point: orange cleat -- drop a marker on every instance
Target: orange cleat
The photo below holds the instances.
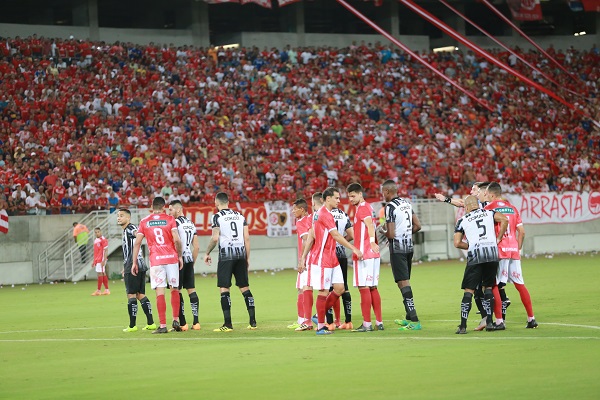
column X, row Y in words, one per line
column 347, row 326
column 196, row 327
column 96, row 293
column 106, row 292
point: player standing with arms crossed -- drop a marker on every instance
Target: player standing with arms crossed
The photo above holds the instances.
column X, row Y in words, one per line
column 160, row 231
column 135, row 286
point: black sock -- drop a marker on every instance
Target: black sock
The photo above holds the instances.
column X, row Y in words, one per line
column 329, row 316
column 147, row 307
column 478, row 297
column 250, row 306
column 347, row 301
column 194, row 303
column 409, row 303
column 465, row 308
column 181, row 310
column 503, row 298
column 226, row 306
column 488, row 302
column 132, row 310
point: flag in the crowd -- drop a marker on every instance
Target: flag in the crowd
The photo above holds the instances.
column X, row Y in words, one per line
column 262, row 3
column 279, row 219
column 286, row 2
column 591, row 5
column 525, row 10
column 3, row 221
column 221, row 1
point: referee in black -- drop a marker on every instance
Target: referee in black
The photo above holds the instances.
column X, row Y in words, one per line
column 135, row 285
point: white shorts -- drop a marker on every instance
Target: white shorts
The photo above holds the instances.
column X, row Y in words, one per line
column 163, row 274
column 99, row 268
column 366, row 272
column 323, row 278
column 302, row 279
column 509, row 270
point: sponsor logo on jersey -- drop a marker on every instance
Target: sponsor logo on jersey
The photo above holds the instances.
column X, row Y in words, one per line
column 161, row 222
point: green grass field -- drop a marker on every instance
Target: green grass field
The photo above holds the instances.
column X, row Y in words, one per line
column 57, row 341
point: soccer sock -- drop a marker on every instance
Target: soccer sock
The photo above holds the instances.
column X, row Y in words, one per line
column 100, row 280
column 147, row 307
column 497, row 304
column 504, row 300
column 478, row 297
column 409, row 303
column 321, row 309
column 329, row 316
column 365, row 303
column 525, row 298
column 488, row 298
column 226, row 307
column 331, row 299
column 175, row 303
column 376, row 300
column 181, row 309
column 336, row 309
column 347, row 300
column 308, row 305
column 300, row 307
column 250, row 305
column 132, row 309
column 161, row 306
column 105, row 280
column 465, row 308
column 195, row 304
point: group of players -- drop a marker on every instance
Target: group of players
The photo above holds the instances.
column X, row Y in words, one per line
column 491, row 226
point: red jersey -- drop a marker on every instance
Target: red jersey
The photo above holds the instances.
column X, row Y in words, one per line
column 508, row 248
column 158, row 230
column 100, row 244
column 323, row 250
column 361, row 233
column 303, row 225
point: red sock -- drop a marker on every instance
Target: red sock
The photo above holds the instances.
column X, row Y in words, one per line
column 497, row 302
column 336, row 309
column 321, row 309
column 100, row 279
column 365, row 303
column 300, row 305
column 105, row 280
column 525, row 299
column 332, row 298
column 175, row 303
column 376, row 300
column 161, row 306
column 308, row 305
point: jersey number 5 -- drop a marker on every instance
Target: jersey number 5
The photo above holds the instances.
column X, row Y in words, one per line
column 482, row 227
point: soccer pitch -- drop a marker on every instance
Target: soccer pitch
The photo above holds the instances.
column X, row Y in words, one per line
column 57, row 341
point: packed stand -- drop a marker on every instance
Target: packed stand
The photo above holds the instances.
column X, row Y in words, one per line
column 89, row 125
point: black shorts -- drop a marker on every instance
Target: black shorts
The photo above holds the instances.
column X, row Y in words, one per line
column 229, row 268
column 186, row 276
column 401, row 265
column 483, row 274
column 135, row 284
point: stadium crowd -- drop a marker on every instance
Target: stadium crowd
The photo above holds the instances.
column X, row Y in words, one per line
column 89, row 125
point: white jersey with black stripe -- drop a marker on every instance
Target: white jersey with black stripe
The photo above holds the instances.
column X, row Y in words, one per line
column 128, row 240
column 478, row 227
column 187, row 231
column 231, row 234
column 342, row 222
column 399, row 212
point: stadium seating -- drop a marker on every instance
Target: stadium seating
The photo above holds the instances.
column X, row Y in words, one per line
column 83, row 119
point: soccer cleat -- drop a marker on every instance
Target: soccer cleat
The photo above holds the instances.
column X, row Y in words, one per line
column 176, row 326
column 106, row 292
column 150, row 327
column 490, row 327
column 337, row 323
column 500, row 327
column 347, row 326
column 314, row 319
column 363, row 328
column 128, row 329
column 379, row 327
column 481, row 325
column 462, row 330
column 252, row 327
column 185, row 327
column 412, row 326
column 161, row 330
column 96, row 293
column 401, row 322
column 293, row 326
column 331, row 327
column 224, row 328
column 196, row 326
column 304, row 327
column 324, row 331
column 532, row 324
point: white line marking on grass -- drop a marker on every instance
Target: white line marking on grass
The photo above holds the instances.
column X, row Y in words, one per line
column 91, row 328
column 267, row 338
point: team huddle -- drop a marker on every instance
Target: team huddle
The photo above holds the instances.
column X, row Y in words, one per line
column 491, row 226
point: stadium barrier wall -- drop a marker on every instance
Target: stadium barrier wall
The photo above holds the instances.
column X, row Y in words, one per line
column 30, row 235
